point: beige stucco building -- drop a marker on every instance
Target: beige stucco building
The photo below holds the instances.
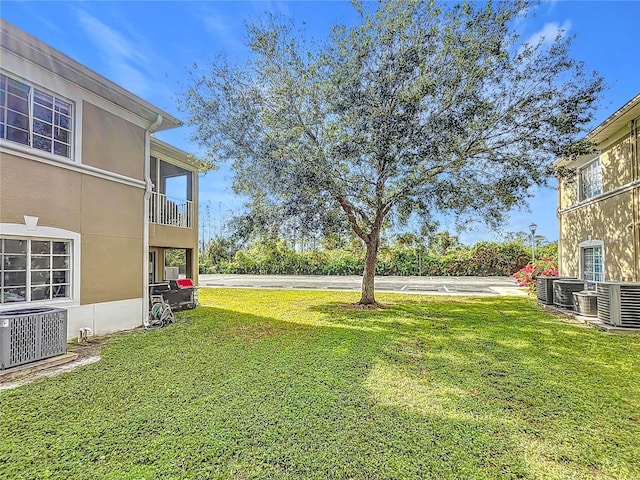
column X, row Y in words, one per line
column 599, row 205
column 90, row 201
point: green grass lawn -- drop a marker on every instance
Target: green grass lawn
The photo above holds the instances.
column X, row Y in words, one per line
column 290, row 384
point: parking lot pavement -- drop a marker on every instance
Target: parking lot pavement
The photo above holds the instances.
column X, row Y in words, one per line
column 413, row 285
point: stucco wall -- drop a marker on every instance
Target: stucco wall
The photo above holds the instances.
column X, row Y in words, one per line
column 111, row 268
column 616, row 163
column 112, row 230
column 568, row 192
column 172, row 237
column 111, row 209
column 32, row 188
column 112, row 213
column 107, row 214
column 610, row 220
column 111, row 143
column 616, row 167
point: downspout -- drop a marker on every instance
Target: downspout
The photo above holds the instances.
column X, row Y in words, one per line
column 559, row 217
column 560, row 243
column 635, row 197
column 145, row 232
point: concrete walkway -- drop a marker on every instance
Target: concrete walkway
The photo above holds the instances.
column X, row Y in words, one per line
column 38, row 370
column 415, row 285
column 77, row 356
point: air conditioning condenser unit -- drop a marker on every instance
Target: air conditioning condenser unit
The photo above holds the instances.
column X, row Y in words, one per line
column 544, row 288
column 563, row 290
column 619, row 304
column 31, row 334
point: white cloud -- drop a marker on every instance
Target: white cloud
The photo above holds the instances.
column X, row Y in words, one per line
column 124, row 57
column 261, row 6
column 549, row 33
column 218, row 25
column 223, row 28
column 227, row 26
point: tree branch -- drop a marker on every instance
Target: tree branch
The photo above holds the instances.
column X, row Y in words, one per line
column 350, row 210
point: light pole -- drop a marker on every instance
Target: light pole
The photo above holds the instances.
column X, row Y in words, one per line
column 532, row 227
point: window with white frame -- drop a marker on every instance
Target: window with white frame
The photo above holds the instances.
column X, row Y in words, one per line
column 35, row 118
column 592, row 264
column 591, row 180
column 34, row 270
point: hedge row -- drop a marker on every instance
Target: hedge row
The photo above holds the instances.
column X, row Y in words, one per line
column 483, row 259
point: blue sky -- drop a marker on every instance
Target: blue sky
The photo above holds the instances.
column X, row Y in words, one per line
column 148, row 47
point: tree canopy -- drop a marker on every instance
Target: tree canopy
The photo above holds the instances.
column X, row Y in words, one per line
column 420, row 108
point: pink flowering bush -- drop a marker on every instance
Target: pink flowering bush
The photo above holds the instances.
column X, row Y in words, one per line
column 526, row 277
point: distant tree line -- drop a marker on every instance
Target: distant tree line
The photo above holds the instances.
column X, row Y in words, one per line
column 406, row 254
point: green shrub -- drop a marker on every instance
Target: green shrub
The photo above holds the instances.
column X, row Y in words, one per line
column 483, row 259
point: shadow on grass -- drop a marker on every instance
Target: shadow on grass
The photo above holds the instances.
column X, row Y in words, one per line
column 499, row 364
column 518, row 325
column 429, row 388
column 347, row 396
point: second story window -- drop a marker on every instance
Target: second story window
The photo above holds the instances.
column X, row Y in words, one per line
column 35, row 118
column 590, row 180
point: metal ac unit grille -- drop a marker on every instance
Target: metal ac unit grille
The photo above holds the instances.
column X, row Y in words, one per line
column 544, row 288
column 585, row 303
column 620, row 304
column 22, row 345
column 604, row 302
column 563, row 291
column 630, row 305
column 545, row 294
column 54, row 334
column 31, row 334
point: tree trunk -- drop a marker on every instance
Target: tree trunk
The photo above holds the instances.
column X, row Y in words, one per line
column 368, row 277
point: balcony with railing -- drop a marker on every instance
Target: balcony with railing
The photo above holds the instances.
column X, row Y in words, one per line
column 175, row 212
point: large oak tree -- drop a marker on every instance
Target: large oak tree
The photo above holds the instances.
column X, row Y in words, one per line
column 419, row 108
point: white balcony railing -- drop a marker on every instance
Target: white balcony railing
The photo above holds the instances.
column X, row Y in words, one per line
column 170, row 211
